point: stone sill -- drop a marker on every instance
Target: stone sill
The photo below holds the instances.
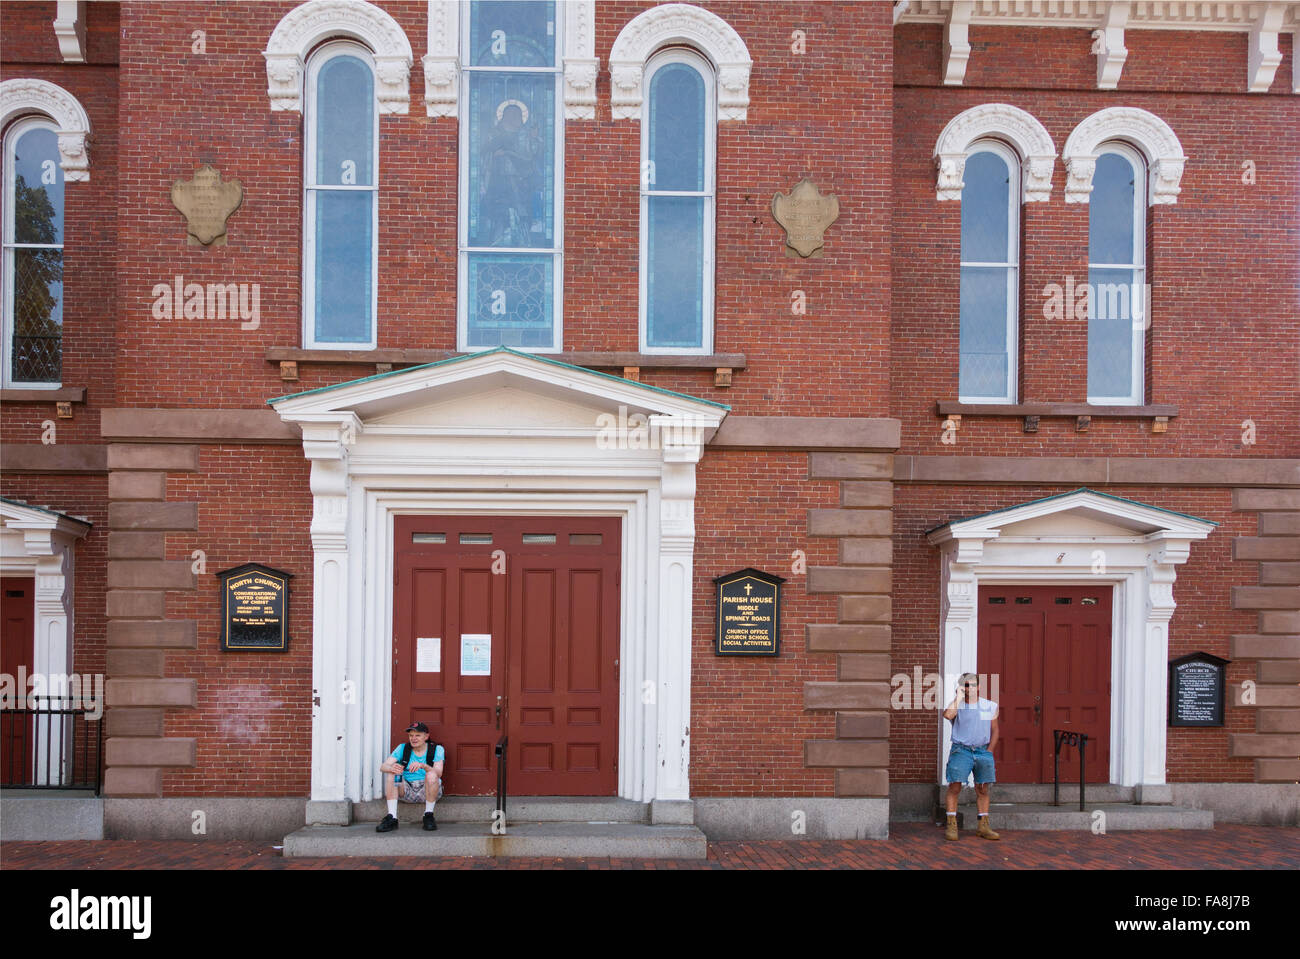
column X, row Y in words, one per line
column 631, row 362
column 952, row 407
column 69, row 394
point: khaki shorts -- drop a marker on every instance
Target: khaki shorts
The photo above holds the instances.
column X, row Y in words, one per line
column 414, row 792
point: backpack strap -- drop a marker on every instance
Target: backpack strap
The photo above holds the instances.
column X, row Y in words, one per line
column 406, row 757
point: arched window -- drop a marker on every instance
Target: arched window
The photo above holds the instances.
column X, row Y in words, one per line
column 33, row 255
column 1117, row 304
column 677, row 202
column 990, row 284
column 340, row 255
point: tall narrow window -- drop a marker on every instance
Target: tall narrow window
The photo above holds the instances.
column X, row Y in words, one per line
column 677, row 198
column 990, row 233
column 511, row 177
column 1117, row 277
column 340, row 256
column 33, row 256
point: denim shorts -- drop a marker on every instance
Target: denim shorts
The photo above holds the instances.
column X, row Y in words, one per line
column 962, row 759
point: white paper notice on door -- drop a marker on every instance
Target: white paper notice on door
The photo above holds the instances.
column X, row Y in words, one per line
column 476, row 654
column 428, row 654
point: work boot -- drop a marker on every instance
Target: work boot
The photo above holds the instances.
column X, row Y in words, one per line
column 985, row 831
column 951, row 831
column 387, row 824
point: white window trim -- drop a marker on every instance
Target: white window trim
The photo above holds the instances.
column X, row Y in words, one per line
column 1138, row 268
column 1150, row 134
column 10, row 202
column 24, row 95
column 1013, row 277
column 463, row 250
column 701, row 64
column 1005, row 122
column 310, row 121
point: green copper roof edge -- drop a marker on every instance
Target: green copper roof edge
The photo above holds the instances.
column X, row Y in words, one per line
column 499, row 349
column 1081, row 489
column 42, row 509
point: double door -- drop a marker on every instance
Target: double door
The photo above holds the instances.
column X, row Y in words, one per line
column 509, row 626
column 1049, row 648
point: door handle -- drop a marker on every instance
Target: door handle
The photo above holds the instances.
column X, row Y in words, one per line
column 500, row 703
column 1038, row 710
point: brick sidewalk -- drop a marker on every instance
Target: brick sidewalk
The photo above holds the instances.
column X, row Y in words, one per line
column 910, row 846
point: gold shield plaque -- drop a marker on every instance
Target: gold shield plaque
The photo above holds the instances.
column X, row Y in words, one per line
column 207, row 203
column 805, row 214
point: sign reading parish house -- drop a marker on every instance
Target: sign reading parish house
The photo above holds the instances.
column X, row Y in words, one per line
column 749, row 614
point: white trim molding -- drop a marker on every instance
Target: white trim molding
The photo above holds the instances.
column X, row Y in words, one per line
column 1146, row 131
column 1003, row 121
column 1264, row 55
column 1108, row 44
column 41, row 543
column 308, row 24
column 678, row 23
column 70, row 29
column 956, row 42
column 442, row 62
column 1087, row 538
column 580, row 63
column 22, row 96
column 492, row 433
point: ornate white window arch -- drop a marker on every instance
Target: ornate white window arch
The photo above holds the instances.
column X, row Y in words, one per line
column 23, row 96
column 1144, row 130
column 442, row 62
column 678, row 23
column 998, row 121
column 308, row 24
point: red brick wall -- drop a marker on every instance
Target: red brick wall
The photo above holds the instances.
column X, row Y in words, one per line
column 253, row 708
column 1204, row 620
column 748, row 724
column 1222, row 260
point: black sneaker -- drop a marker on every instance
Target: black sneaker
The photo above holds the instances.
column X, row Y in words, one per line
column 387, row 824
column 430, row 824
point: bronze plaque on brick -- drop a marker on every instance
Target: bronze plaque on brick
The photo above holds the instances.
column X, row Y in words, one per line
column 749, row 614
column 1196, row 686
column 254, row 608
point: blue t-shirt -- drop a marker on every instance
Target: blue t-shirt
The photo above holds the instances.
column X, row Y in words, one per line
column 974, row 723
column 417, row 775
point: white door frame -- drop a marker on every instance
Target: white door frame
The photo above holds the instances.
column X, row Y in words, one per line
column 1109, row 540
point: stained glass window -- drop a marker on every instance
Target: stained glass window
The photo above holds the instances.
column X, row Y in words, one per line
column 511, row 184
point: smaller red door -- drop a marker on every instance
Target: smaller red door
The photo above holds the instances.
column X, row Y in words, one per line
column 17, row 637
column 1048, row 649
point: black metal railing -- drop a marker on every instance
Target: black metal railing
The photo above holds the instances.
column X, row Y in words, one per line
column 51, row 745
column 501, row 754
column 1066, row 737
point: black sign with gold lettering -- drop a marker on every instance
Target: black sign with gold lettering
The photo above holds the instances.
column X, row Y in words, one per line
column 749, row 614
column 254, row 608
column 1196, row 690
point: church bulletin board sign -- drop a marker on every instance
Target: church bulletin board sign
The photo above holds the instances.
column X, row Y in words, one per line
column 1196, row 688
column 749, row 614
column 254, row 608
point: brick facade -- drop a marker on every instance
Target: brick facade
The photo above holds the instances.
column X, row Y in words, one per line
column 858, row 111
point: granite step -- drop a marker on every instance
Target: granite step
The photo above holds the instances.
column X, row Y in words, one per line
column 1118, row 816
column 479, row 809
column 544, row 839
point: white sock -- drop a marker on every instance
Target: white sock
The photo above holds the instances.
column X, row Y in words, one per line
column 392, row 808
column 428, row 806
column 952, row 815
column 983, row 814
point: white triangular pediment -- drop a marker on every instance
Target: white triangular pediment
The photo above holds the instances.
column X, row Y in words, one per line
column 1078, row 515
column 498, row 390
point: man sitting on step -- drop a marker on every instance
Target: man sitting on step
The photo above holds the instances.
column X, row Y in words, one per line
column 411, row 774
column 974, row 734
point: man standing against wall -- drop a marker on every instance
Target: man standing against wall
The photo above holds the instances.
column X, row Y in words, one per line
column 974, row 734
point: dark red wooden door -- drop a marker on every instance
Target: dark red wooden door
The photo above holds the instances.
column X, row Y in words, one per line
column 1050, row 649
column 17, row 639
column 546, row 592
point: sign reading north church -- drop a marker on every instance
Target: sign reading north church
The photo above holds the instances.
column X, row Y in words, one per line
column 749, row 614
column 1196, row 690
column 254, row 608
